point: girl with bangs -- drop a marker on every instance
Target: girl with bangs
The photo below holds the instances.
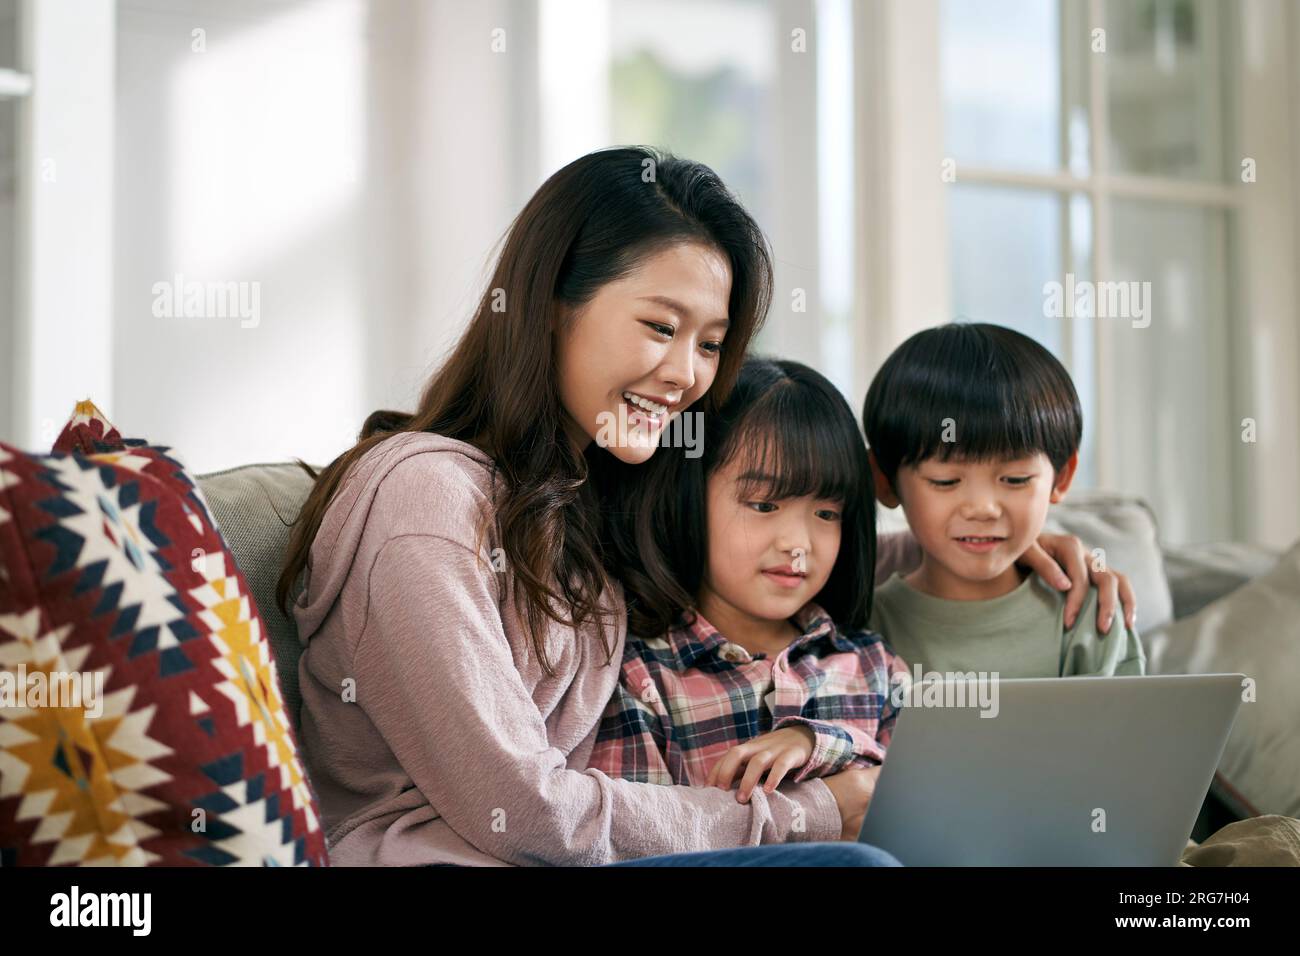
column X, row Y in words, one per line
column 754, row 659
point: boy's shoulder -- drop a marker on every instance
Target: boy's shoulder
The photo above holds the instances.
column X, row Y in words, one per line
column 1055, row 599
column 1087, row 616
column 890, row 604
column 888, row 592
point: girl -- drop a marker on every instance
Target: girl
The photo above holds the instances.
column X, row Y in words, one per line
column 461, row 625
column 753, row 564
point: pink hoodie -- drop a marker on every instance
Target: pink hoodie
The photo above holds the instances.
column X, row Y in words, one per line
column 431, row 732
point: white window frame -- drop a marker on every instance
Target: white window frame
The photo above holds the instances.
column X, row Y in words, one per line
column 903, row 232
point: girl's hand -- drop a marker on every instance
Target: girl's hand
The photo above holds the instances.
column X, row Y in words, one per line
column 1076, row 560
column 777, row 753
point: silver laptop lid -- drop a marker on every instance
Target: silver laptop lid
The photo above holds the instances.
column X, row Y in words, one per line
column 1073, row 771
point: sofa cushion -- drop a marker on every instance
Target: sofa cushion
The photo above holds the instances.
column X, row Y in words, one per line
column 253, row 506
column 114, row 579
column 1205, row 572
column 1255, row 630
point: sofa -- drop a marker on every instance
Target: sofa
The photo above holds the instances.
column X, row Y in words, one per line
column 255, row 504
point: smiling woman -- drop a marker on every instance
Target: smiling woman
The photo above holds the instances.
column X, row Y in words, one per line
column 462, row 629
column 601, row 235
column 645, row 347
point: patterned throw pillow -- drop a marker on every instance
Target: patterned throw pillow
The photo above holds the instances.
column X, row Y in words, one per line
column 141, row 720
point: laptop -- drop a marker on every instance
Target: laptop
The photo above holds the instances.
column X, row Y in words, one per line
column 1065, row 771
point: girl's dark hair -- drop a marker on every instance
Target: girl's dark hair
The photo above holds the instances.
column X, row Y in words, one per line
column 1005, row 395
column 789, row 423
column 590, row 223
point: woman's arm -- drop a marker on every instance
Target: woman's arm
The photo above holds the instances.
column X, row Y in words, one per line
column 436, row 675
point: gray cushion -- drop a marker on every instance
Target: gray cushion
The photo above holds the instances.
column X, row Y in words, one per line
column 253, row 506
column 1201, row 573
column 1255, row 630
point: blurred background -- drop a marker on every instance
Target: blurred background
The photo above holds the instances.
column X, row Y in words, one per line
column 348, row 167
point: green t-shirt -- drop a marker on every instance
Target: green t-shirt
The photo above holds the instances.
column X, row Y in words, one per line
column 1020, row 634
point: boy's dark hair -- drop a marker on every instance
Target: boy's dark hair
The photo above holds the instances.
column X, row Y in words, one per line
column 790, row 423
column 1005, row 394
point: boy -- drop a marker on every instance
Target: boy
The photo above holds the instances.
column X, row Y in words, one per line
column 975, row 429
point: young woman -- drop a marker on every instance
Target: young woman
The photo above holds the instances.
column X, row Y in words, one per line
column 462, row 632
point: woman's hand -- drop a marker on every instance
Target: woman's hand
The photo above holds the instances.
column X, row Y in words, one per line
column 1052, row 552
column 852, row 790
column 777, row 753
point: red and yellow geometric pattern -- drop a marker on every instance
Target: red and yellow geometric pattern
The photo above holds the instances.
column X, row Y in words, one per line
column 114, row 577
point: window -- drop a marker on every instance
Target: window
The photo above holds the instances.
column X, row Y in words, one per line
column 761, row 91
column 1090, row 150
column 700, row 92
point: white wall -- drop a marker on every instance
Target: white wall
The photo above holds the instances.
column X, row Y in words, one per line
column 354, row 159
column 8, row 214
column 61, row 292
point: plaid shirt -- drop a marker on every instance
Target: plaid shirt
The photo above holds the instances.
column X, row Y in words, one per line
column 685, row 699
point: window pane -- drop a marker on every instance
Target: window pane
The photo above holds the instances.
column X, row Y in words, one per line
column 1005, row 243
column 701, row 92
column 1169, row 379
column 1002, row 82
column 1164, row 78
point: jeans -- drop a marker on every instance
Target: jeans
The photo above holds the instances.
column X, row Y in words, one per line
column 776, row 854
column 771, row 854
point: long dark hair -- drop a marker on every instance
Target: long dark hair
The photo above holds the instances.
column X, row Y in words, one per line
column 590, row 223
column 790, row 423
